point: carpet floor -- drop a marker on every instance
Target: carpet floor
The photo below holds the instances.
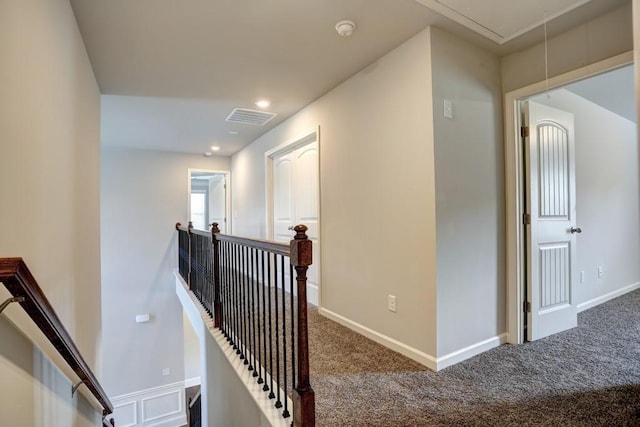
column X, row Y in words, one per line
column 587, row 376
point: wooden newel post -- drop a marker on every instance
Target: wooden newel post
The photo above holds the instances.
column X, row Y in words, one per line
column 304, row 398
column 190, row 231
column 217, row 305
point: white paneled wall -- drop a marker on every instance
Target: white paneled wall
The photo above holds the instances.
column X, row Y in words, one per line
column 159, row 407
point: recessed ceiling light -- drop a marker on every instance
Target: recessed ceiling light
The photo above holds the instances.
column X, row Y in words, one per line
column 233, row 132
column 263, row 103
column 207, row 154
column 215, row 148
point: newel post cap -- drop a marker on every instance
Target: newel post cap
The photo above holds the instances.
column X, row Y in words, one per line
column 301, row 246
column 301, row 232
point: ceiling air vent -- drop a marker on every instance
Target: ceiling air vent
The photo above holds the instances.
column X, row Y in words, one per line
column 250, row 117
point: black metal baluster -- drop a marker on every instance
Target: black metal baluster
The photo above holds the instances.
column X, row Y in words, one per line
column 275, row 295
column 243, row 323
column 207, row 249
column 263, row 328
column 293, row 328
column 285, row 413
column 193, row 267
column 236, row 332
column 225, row 287
column 251, row 319
column 240, row 304
column 230, row 317
column 245, row 295
column 256, row 282
column 269, row 287
column 198, row 270
column 212, row 274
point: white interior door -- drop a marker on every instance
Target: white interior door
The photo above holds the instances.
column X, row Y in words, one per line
column 551, row 232
column 218, row 202
column 283, row 210
column 295, row 201
column 306, row 197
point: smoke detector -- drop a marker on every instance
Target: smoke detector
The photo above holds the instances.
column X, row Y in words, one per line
column 345, row 27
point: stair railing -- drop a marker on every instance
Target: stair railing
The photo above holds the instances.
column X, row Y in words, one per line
column 19, row 281
column 256, row 293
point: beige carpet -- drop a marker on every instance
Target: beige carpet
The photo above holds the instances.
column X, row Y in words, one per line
column 589, row 376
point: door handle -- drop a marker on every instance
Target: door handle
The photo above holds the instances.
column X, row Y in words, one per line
column 574, row 230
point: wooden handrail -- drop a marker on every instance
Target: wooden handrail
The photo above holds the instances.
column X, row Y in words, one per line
column 265, row 245
column 19, row 281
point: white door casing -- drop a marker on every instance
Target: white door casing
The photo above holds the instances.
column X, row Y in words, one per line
column 551, row 233
column 514, row 184
column 218, row 195
column 293, row 192
column 218, row 201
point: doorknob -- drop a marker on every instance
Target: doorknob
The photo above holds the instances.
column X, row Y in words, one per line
column 575, row 230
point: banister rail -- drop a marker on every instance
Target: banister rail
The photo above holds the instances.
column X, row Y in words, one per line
column 19, row 281
column 256, row 293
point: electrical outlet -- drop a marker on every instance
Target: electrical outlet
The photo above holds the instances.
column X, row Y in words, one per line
column 166, row 372
column 391, row 303
column 600, row 272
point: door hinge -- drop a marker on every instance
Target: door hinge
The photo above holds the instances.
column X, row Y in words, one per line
column 526, row 219
column 524, row 131
column 526, row 306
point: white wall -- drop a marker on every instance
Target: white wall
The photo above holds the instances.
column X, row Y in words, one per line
column 144, row 193
column 191, row 352
column 636, row 51
column 49, row 182
column 607, row 195
column 603, row 37
column 376, row 194
column 469, row 193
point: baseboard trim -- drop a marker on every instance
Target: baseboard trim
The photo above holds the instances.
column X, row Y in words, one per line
column 312, row 294
column 470, row 351
column 412, row 353
column 604, row 298
column 138, row 409
column 425, row 359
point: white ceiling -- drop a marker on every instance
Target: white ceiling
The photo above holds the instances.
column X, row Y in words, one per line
column 172, row 71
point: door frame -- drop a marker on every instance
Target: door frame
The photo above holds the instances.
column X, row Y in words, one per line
column 300, row 140
column 515, row 181
column 227, row 196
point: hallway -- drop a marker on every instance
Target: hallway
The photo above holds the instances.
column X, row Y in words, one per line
column 586, row 376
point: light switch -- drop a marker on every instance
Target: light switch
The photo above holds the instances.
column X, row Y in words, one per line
column 448, row 109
